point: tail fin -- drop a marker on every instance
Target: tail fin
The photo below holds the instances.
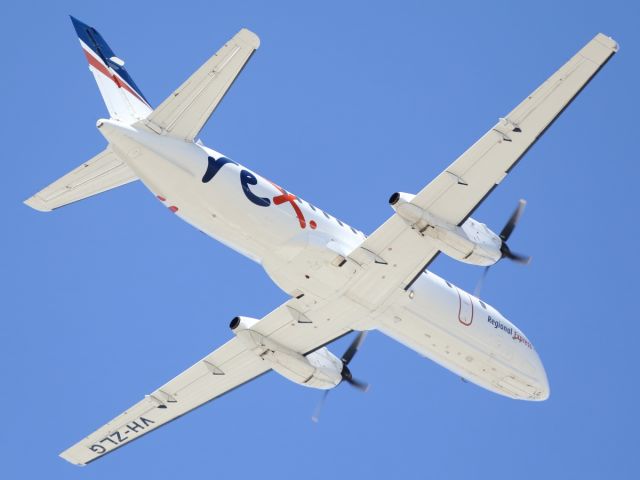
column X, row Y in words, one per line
column 123, row 98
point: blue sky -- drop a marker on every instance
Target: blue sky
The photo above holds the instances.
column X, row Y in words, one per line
column 345, row 103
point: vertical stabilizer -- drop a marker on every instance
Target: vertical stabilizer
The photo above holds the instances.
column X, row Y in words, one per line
column 123, row 98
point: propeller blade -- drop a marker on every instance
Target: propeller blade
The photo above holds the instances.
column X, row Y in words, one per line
column 513, row 221
column 346, row 374
column 480, row 283
column 353, row 348
column 360, row 385
column 518, row 258
column 316, row 413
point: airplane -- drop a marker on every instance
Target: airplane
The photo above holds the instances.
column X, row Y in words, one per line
column 339, row 280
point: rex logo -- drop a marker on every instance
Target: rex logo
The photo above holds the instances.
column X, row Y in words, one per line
column 246, row 180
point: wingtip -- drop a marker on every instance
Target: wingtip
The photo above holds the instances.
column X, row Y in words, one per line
column 608, row 42
column 37, row 203
column 250, row 37
column 69, row 458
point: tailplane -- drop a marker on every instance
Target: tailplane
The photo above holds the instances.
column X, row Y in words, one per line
column 123, row 98
column 182, row 115
column 125, row 103
column 103, row 172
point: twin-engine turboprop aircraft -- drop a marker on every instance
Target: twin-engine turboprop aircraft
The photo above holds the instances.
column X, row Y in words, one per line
column 339, row 279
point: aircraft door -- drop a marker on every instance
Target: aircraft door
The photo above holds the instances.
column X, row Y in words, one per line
column 465, row 308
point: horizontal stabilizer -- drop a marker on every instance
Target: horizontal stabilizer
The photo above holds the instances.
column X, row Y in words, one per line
column 103, row 172
column 184, row 113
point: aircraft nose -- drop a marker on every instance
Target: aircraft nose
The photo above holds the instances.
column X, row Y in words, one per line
column 532, row 382
column 542, row 382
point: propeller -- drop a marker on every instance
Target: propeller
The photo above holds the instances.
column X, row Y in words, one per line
column 345, row 373
column 506, row 232
column 316, row 413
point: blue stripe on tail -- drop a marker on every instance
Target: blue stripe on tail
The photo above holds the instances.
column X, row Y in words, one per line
column 97, row 44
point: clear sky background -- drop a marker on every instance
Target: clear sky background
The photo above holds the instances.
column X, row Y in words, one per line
column 344, row 103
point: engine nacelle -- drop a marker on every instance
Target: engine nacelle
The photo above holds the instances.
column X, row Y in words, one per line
column 242, row 323
column 472, row 242
column 320, row 369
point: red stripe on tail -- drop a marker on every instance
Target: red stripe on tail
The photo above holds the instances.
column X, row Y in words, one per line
column 98, row 65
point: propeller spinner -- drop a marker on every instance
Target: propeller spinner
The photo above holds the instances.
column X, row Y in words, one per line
column 506, row 232
column 346, row 374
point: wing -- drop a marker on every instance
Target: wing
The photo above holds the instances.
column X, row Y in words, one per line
column 218, row 373
column 292, row 324
column 456, row 193
column 103, row 172
column 185, row 111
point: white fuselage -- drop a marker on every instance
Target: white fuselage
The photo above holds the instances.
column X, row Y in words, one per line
column 294, row 241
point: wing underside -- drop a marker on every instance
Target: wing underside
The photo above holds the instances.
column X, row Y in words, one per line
column 225, row 369
column 218, row 373
column 454, row 194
